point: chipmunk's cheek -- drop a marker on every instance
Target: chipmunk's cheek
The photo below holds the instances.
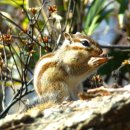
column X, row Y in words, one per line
column 98, row 51
column 95, row 51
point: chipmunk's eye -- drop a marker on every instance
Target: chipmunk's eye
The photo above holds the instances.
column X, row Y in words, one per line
column 85, row 43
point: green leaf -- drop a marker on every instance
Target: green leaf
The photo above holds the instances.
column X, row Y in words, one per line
column 123, row 5
column 95, row 8
column 13, row 2
column 98, row 11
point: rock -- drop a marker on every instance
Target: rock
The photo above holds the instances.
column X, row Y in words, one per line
column 101, row 112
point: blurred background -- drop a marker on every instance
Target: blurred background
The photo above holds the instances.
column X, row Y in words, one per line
column 29, row 29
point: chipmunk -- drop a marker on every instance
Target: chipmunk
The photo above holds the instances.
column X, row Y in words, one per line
column 58, row 75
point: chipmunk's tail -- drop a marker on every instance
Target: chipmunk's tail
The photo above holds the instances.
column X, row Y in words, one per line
column 37, row 105
column 40, row 107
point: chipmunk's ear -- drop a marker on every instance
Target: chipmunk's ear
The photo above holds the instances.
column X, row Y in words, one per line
column 68, row 36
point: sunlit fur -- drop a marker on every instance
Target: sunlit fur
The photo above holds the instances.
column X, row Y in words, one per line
column 60, row 73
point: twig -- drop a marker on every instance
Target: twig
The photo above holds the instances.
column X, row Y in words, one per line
column 72, row 14
column 4, row 79
column 15, row 62
column 11, row 78
column 45, row 16
column 22, row 8
column 21, row 59
column 68, row 11
column 14, row 99
column 11, row 21
column 115, row 46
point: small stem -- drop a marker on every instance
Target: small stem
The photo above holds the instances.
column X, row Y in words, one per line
column 115, row 47
column 15, row 61
column 14, row 99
